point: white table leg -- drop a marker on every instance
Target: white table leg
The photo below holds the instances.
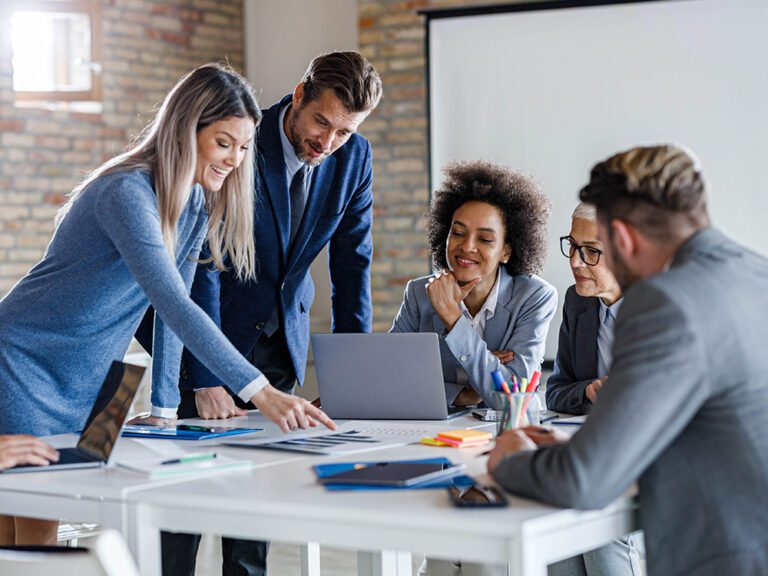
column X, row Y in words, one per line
column 146, row 542
column 384, row 563
column 404, row 564
column 310, row 559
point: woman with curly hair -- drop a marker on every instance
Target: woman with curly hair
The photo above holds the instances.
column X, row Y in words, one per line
column 487, row 231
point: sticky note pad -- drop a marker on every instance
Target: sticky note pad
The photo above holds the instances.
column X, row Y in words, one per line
column 466, row 435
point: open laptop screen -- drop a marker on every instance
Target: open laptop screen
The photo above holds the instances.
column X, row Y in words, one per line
column 110, row 410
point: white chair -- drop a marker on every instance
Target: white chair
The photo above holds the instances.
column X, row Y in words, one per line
column 107, row 556
column 70, row 533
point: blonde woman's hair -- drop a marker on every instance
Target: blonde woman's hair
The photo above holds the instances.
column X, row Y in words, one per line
column 167, row 147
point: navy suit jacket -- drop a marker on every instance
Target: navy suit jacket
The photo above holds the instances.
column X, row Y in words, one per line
column 338, row 212
column 576, row 361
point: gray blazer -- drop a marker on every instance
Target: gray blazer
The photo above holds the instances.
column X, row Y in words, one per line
column 520, row 323
column 576, row 361
column 685, row 411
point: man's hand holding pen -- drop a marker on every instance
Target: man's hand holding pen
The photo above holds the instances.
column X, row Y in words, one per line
column 519, row 439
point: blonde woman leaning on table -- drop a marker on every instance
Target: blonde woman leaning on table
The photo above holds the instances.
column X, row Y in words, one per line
column 487, row 231
column 129, row 236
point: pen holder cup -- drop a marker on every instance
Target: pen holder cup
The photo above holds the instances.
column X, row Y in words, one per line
column 517, row 410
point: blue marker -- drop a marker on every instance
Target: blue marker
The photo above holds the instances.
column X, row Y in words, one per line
column 498, row 380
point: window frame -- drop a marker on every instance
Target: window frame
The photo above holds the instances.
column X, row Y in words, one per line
column 92, row 9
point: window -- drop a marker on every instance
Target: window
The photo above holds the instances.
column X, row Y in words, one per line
column 56, row 51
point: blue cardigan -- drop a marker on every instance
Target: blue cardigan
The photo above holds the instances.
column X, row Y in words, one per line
column 520, row 323
column 76, row 310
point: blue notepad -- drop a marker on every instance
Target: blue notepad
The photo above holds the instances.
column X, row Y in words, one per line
column 132, row 431
column 325, row 470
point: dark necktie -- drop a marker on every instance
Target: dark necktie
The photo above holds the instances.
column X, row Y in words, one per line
column 298, row 193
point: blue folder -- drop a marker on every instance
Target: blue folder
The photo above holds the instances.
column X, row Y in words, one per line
column 132, row 431
column 325, row 470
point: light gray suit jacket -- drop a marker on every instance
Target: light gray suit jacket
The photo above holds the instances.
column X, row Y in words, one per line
column 524, row 309
column 685, row 411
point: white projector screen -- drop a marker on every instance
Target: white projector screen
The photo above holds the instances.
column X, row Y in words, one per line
column 552, row 91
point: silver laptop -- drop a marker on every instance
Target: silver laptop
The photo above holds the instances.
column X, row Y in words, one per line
column 381, row 376
column 96, row 445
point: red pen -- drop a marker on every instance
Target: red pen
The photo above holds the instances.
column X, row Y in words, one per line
column 533, row 386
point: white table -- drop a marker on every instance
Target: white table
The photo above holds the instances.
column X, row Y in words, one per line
column 279, row 500
column 284, row 503
column 102, row 495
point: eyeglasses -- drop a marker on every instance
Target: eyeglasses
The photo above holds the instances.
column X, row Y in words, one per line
column 589, row 255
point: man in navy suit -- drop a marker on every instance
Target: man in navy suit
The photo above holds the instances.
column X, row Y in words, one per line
column 309, row 135
column 313, row 188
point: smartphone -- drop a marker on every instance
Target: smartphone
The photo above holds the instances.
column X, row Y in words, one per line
column 477, row 496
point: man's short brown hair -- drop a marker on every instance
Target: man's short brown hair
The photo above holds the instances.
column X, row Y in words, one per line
column 654, row 188
column 352, row 78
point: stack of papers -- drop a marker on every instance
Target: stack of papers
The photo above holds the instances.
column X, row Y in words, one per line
column 459, row 438
column 348, row 438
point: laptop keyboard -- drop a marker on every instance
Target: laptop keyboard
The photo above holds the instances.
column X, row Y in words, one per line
column 72, row 456
column 415, row 433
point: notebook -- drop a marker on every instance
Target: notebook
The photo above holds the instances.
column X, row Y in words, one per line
column 161, row 467
column 176, row 434
column 324, row 471
column 381, row 376
column 96, row 446
column 394, row 473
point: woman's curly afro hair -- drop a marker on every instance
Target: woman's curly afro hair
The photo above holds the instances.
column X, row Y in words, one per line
column 524, row 208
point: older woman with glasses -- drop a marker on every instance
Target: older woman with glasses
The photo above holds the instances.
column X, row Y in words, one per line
column 581, row 368
column 590, row 308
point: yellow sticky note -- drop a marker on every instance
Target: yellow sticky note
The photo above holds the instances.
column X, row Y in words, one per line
column 433, row 442
column 466, row 435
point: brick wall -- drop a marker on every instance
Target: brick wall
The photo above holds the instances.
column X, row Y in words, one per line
column 392, row 38
column 147, row 46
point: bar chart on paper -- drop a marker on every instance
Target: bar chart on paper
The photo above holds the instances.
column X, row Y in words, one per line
column 349, row 438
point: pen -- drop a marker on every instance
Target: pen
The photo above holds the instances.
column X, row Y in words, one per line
column 498, row 380
column 193, row 428
column 548, row 418
column 192, row 458
column 534, row 385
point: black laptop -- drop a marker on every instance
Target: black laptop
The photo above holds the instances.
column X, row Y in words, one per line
column 102, row 430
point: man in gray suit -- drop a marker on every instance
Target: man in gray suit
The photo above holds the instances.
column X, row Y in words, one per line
column 685, row 409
